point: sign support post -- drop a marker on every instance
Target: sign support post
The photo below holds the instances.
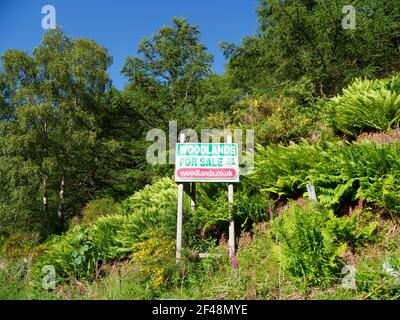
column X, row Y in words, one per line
column 180, row 213
column 193, row 196
column 231, row 222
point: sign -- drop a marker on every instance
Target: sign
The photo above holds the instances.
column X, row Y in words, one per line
column 207, row 162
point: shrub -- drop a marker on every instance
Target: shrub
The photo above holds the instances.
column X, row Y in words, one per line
column 211, row 212
column 21, row 245
column 71, row 255
column 155, row 258
column 311, row 240
column 153, row 206
column 384, row 191
column 275, row 119
column 98, row 208
column 251, row 207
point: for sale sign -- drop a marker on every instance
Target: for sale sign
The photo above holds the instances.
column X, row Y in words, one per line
column 207, row 162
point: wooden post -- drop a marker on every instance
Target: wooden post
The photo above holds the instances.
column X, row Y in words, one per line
column 311, row 192
column 231, row 222
column 180, row 213
column 193, row 196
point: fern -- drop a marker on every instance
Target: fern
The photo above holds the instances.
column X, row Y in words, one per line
column 310, row 241
column 367, row 105
column 309, row 247
column 79, row 252
column 340, row 172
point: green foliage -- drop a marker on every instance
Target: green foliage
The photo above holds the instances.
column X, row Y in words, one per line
column 217, row 102
column 276, row 119
column 81, row 251
column 70, row 254
column 54, row 154
column 251, row 207
column 167, row 76
column 310, row 241
column 155, row 258
column 307, row 245
column 14, row 284
column 306, row 38
column 379, row 277
column 367, row 105
column 213, row 212
column 67, row 137
column 154, row 206
column 341, row 173
column 98, row 208
column 282, row 170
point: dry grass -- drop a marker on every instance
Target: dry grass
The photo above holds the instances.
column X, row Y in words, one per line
column 381, row 137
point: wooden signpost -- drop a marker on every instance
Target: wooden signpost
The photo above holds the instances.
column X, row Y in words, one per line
column 180, row 213
column 231, row 222
column 205, row 162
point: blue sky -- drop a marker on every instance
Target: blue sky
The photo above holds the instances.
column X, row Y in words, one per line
column 119, row 25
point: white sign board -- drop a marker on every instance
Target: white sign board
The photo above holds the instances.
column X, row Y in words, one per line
column 207, row 162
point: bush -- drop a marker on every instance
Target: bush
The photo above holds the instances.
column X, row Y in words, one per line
column 276, row 119
column 251, row 207
column 212, row 213
column 21, row 245
column 154, row 206
column 155, row 258
column 98, row 208
column 71, row 255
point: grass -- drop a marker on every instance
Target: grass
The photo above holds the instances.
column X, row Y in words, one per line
column 260, row 275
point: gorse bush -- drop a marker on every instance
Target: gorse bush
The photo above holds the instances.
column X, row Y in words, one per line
column 367, row 105
column 20, row 245
column 275, row 119
column 155, row 259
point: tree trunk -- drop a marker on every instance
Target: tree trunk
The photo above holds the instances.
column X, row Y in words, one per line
column 46, row 216
column 61, row 204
